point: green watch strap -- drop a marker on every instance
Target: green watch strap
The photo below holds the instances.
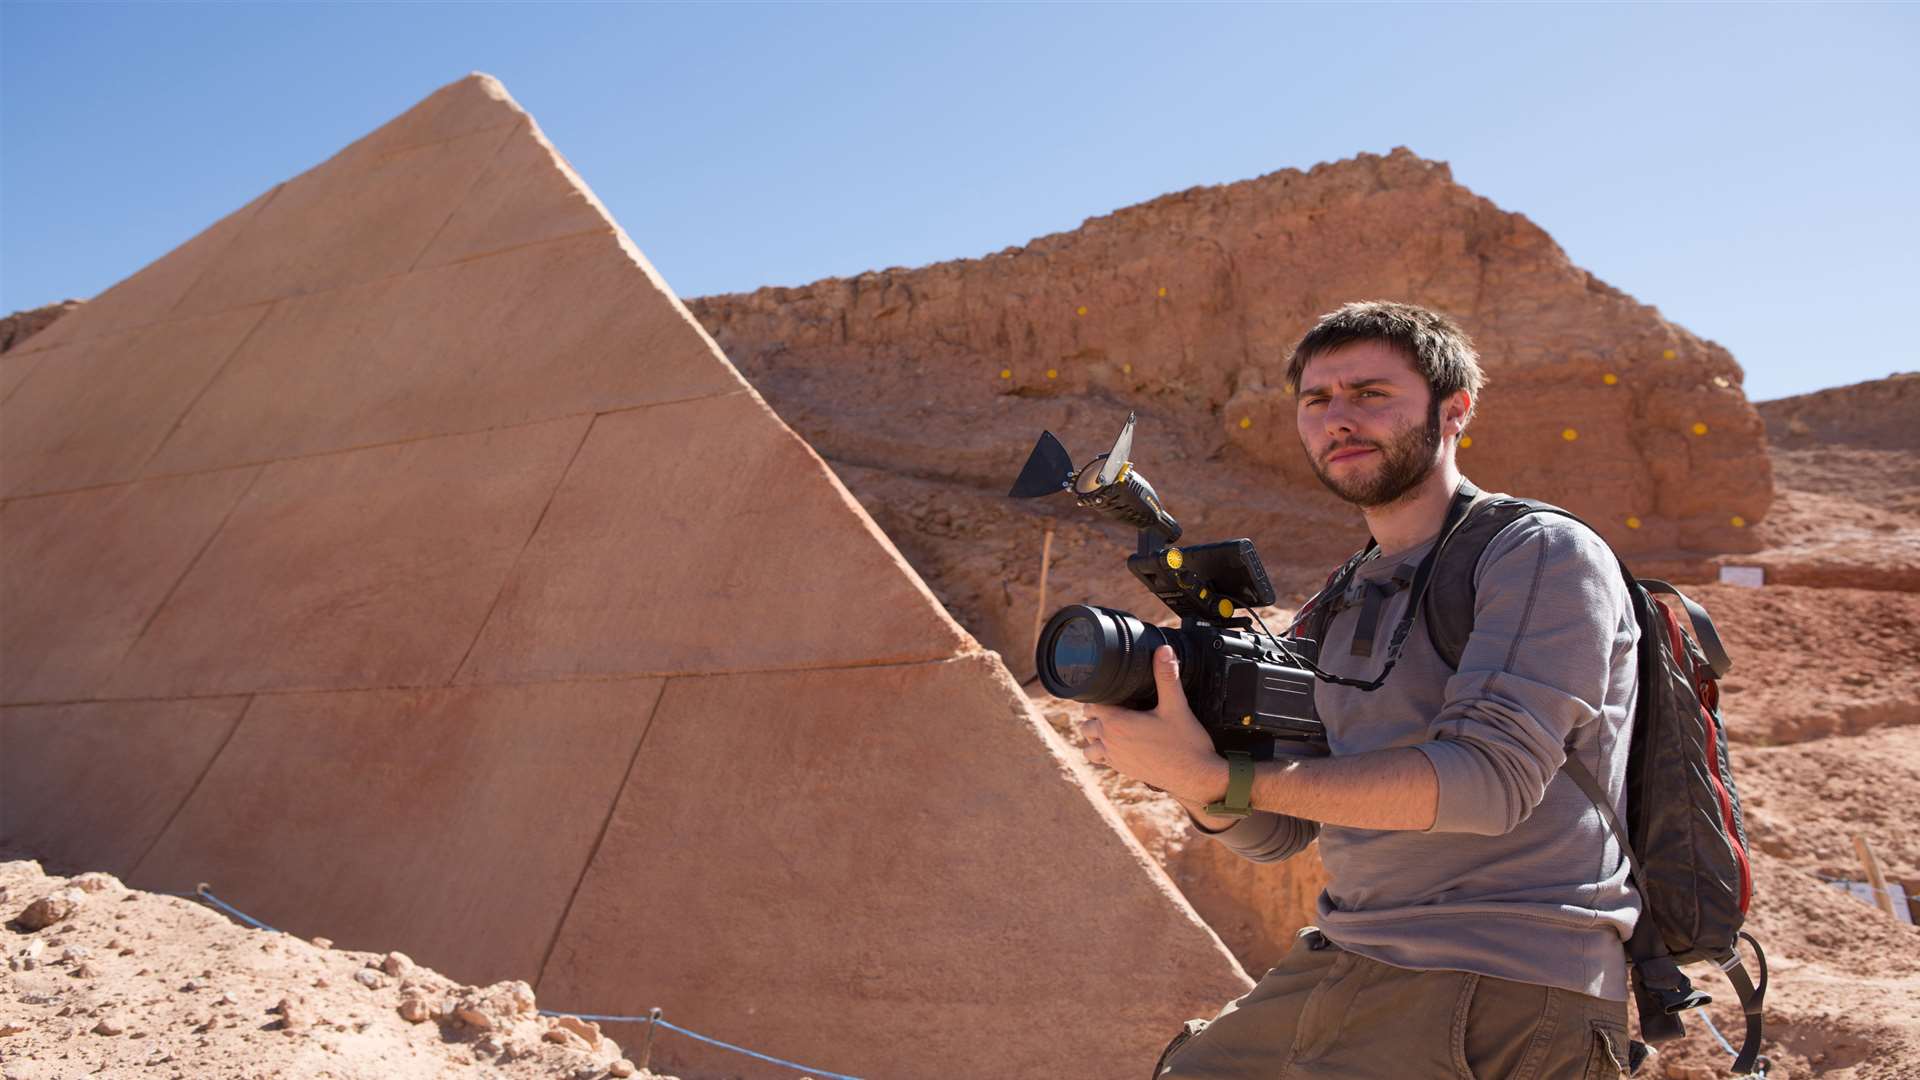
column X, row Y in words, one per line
column 1239, row 797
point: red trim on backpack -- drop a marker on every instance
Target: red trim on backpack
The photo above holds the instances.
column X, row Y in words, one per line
column 1707, row 693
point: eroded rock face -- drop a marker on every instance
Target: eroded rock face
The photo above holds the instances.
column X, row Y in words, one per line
column 22, row 325
column 1186, row 306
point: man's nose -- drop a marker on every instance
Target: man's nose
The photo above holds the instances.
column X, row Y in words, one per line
column 1337, row 416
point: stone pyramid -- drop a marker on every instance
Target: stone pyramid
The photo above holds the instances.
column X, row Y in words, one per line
column 399, row 557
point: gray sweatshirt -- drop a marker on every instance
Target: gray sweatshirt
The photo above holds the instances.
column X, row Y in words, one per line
column 1519, row 878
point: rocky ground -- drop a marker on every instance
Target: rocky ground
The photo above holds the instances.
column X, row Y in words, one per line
column 103, row 981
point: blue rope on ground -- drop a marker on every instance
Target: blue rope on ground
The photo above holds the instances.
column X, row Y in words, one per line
column 201, row 892
column 705, row 1039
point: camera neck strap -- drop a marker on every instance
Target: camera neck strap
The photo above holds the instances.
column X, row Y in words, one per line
column 1463, row 499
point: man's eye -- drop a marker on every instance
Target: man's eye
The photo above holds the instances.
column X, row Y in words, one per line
column 1371, row 393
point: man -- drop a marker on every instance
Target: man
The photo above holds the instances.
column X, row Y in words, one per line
column 1476, row 904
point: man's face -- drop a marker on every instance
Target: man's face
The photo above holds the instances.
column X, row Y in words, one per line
column 1367, row 422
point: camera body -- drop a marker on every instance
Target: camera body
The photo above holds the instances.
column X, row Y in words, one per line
column 1248, row 690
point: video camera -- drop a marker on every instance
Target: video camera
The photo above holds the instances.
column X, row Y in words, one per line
column 1248, row 691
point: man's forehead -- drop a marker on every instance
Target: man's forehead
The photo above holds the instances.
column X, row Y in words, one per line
column 1363, row 363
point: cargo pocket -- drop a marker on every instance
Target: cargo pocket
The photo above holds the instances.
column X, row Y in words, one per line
column 1607, row 1060
column 1187, row 1031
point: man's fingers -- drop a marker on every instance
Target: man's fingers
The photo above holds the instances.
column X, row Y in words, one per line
column 1091, row 728
column 1166, row 667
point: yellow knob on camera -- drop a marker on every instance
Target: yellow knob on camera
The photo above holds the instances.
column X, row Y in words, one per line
column 1174, row 558
column 1226, row 607
column 1246, row 721
column 1203, row 594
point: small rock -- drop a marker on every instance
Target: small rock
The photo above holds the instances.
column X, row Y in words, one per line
column 369, row 978
column 29, row 955
column 7, row 1029
column 95, row 881
column 109, row 1025
column 51, row 908
column 559, row 1035
column 189, row 986
column 520, row 997
column 226, row 998
column 397, row 964
column 413, row 1010
column 622, row 1067
column 74, row 953
column 83, row 970
column 320, row 982
column 292, row 1014
column 586, row 1029
column 324, row 943
column 473, row 1017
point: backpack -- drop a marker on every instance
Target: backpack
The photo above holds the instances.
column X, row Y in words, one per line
column 1684, row 838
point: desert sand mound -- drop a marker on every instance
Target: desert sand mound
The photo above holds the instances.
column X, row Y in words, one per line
column 102, row 980
column 1846, row 468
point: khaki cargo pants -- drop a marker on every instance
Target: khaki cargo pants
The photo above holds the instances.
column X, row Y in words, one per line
column 1326, row 1012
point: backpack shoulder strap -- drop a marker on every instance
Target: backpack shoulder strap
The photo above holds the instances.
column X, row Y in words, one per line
column 1450, row 596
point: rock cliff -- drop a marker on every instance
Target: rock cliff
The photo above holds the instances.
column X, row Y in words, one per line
column 926, row 387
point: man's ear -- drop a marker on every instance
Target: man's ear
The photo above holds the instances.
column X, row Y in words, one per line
column 1455, row 413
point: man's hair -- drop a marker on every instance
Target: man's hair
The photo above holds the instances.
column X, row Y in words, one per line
column 1436, row 346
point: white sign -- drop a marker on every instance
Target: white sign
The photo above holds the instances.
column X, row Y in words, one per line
column 1751, row 577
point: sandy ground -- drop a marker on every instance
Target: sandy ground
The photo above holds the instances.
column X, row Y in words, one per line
column 132, row 984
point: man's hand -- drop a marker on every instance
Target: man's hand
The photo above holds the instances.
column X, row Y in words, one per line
column 1165, row 747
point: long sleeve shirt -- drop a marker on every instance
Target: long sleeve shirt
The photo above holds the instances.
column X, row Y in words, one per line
column 1519, row 877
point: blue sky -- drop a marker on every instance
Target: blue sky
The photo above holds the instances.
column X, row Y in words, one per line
column 1750, row 170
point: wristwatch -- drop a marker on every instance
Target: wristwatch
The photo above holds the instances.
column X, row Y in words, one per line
column 1237, row 802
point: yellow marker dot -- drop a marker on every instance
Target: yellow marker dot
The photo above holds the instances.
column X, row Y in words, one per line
column 1128, row 368
column 1739, row 522
column 1668, row 354
column 1174, row 558
column 1569, row 434
column 1466, row 441
column 1633, row 523
column 1163, row 290
column 1246, row 721
column 1081, row 310
column 1053, row 373
column 1699, row 429
column 1006, row 373
column 1203, row 594
column 1226, row 609
column 1246, row 422
column 1610, row 378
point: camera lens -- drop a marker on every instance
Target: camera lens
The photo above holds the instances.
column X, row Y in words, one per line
column 1076, row 655
column 1100, row 655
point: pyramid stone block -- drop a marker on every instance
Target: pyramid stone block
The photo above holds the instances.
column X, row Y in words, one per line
column 353, row 219
column 137, row 384
column 84, row 572
column 705, row 536
column 92, row 785
column 539, row 332
column 150, row 295
column 527, row 194
column 442, row 822
column 15, row 366
column 369, row 568
column 875, row 822
column 470, row 496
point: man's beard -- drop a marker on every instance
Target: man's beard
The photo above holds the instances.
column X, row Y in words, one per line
column 1406, row 458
